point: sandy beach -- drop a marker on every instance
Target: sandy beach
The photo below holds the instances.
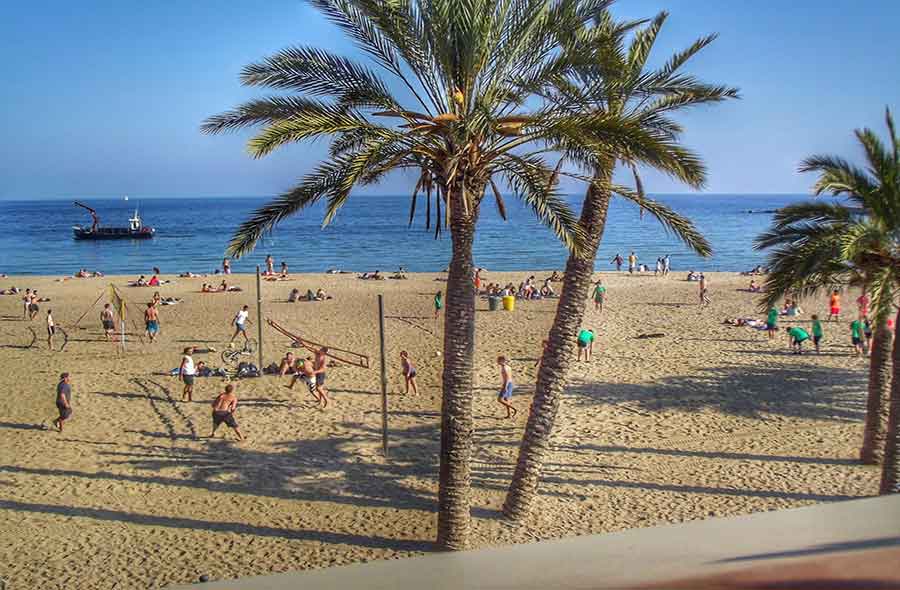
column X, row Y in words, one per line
column 707, row 420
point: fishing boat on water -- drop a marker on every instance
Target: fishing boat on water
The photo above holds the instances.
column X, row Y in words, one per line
column 135, row 230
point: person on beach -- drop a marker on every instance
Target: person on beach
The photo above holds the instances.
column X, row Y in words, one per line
column 862, row 303
column 26, row 301
column 319, row 368
column 867, row 332
column 305, row 372
column 772, row 322
column 817, row 331
column 704, row 290
column 223, row 411
column 585, row 344
column 599, row 294
column 834, row 304
column 240, row 322
column 438, row 304
column 151, row 320
column 51, row 329
column 107, row 320
column 856, row 336
column 666, row 265
column 659, row 267
column 284, row 269
column 477, row 280
column 226, row 266
column 632, row 262
column 186, row 373
column 287, row 364
column 63, row 401
column 270, row 265
column 617, row 260
column 409, row 372
column 33, row 307
column 506, row 387
column 796, row 337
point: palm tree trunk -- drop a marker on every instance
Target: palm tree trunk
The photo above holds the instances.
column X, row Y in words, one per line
column 890, row 468
column 558, row 354
column 872, row 451
column 456, row 408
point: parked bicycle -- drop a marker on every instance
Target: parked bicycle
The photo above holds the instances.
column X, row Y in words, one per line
column 232, row 356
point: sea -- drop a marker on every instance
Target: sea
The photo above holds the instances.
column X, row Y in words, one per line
column 370, row 233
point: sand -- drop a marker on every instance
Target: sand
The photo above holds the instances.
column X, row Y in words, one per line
column 707, row 421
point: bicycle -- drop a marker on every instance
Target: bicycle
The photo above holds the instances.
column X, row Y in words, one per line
column 232, row 356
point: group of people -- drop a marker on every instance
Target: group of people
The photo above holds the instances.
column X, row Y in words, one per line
column 222, row 288
column 270, row 268
column 662, row 268
column 861, row 330
column 527, row 289
column 319, row 295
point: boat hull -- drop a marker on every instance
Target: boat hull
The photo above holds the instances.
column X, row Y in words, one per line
column 113, row 233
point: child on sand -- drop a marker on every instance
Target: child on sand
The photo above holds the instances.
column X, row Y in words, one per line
column 186, row 373
column 856, row 336
column 438, row 304
column 585, row 344
column 506, row 387
column 63, row 401
column 817, row 331
column 772, row 322
column 599, row 293
column 409, row 372
column 107, row 320
column 834, row 304
column 796, row 337
column 223, row 411
column 240, row 323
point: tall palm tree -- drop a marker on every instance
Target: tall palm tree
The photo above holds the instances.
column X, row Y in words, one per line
column 818, row 245
column 610, row 78
column 468, row 70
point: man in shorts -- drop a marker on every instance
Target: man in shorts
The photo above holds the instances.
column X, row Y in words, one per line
column 33, row 307
column 51, row 329
column 506, row 387
column 796, row 337
column 187, row 372
column 287, row 364
column 320, row 366
column 240, row 322
column 63, row 401
column 585, row 344
column 151, row 319
column 108, row 321
column 772, row 322
column 856, row 336
column 834, row 303
column 307, row 374
column 223, row 411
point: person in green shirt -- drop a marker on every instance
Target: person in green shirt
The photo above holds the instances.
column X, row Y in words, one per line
column 438, row 303
column 772, row 322
column 856, row 336
column 796, row 337
column 599, row 293
column 585, row 344
column 817, row 331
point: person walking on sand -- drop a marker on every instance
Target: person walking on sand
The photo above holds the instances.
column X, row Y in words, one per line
column 33, row 307
column 151, row 320
column 632, row 262
column 186, row 373
column 834, row 304
column 585, row 344
column 666, row 265
column 223, row 411
column 409, row 372
column 506, row 387
column 51, row 329
column 108, row 321
column 856, row 336
column 26, row 301
column 226, row 266
column 599, row 294
column 240, row 321
column 319, row 368
column 438, row 303
column 796, row 337
column 817, row 331
column 862, row 302
column 617, row 260
column 704, row 290
column 659, row 267
column 270, row 265
column 63, row 401
column 772, row 322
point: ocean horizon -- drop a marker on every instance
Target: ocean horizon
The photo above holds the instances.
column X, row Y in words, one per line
column 370, row 233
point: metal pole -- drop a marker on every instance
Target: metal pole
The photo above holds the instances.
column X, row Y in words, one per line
column 259, row 320
column 384, row 416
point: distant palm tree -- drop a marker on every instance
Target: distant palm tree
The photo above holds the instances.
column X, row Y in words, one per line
column 819, row 245
column 469, row 72
column 611, row 79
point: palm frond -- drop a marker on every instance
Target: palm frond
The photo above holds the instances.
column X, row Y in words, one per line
column 681, row 227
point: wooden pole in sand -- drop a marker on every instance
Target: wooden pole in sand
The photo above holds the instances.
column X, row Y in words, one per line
column 384, row 417
column 259, row 320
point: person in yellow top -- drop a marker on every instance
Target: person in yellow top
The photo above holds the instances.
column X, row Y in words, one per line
column 835, row 305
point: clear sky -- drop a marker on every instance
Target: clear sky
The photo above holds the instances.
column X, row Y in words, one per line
column 105, row 97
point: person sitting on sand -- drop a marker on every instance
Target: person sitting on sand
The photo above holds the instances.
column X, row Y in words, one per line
column 754, row 286
column 409, row 372
column 294, row 296
column 223, row 411
column 153, row 282
column 692, row 276
column 377, row 276
column 506, row 387
column 287, row 364
column 547, row 290
column 321, row 295
column 63, row 401
column 555, row 277
column 796, row 337
column 10, row 291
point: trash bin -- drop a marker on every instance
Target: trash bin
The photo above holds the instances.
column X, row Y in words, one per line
column 509, row 303
column 493, row 303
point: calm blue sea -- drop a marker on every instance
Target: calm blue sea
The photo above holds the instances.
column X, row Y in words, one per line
column 370, row 233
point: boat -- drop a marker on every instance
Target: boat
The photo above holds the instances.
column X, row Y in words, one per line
column 135, row 230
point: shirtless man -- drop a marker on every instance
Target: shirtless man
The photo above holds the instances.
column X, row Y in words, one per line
column 108, row 321
column 319, row 369
column 63, row 401
column 704, row 290
column 287, row 364
column 33, row 307
column 306, row 372
column 506, row 387
column 223, row 411
column 151, row 320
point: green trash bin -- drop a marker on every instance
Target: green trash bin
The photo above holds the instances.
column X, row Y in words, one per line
column 493, row 303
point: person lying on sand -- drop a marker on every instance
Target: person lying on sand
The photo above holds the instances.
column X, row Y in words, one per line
column 321, row 295
column 10, row 291
column 223, row 411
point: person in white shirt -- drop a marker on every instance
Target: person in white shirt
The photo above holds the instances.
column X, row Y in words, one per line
column 240, row 323
column 186, row 373
column 51, row 329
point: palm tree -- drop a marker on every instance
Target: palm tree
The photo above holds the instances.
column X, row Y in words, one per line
column 468, row 70
column 818, row 245
column 610, row 79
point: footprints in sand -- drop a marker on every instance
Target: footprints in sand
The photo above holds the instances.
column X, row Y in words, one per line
column 167, row 408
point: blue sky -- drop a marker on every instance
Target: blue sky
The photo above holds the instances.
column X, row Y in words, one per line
column 105, row 98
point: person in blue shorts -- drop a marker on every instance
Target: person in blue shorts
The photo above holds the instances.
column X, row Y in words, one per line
column 506, row 387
